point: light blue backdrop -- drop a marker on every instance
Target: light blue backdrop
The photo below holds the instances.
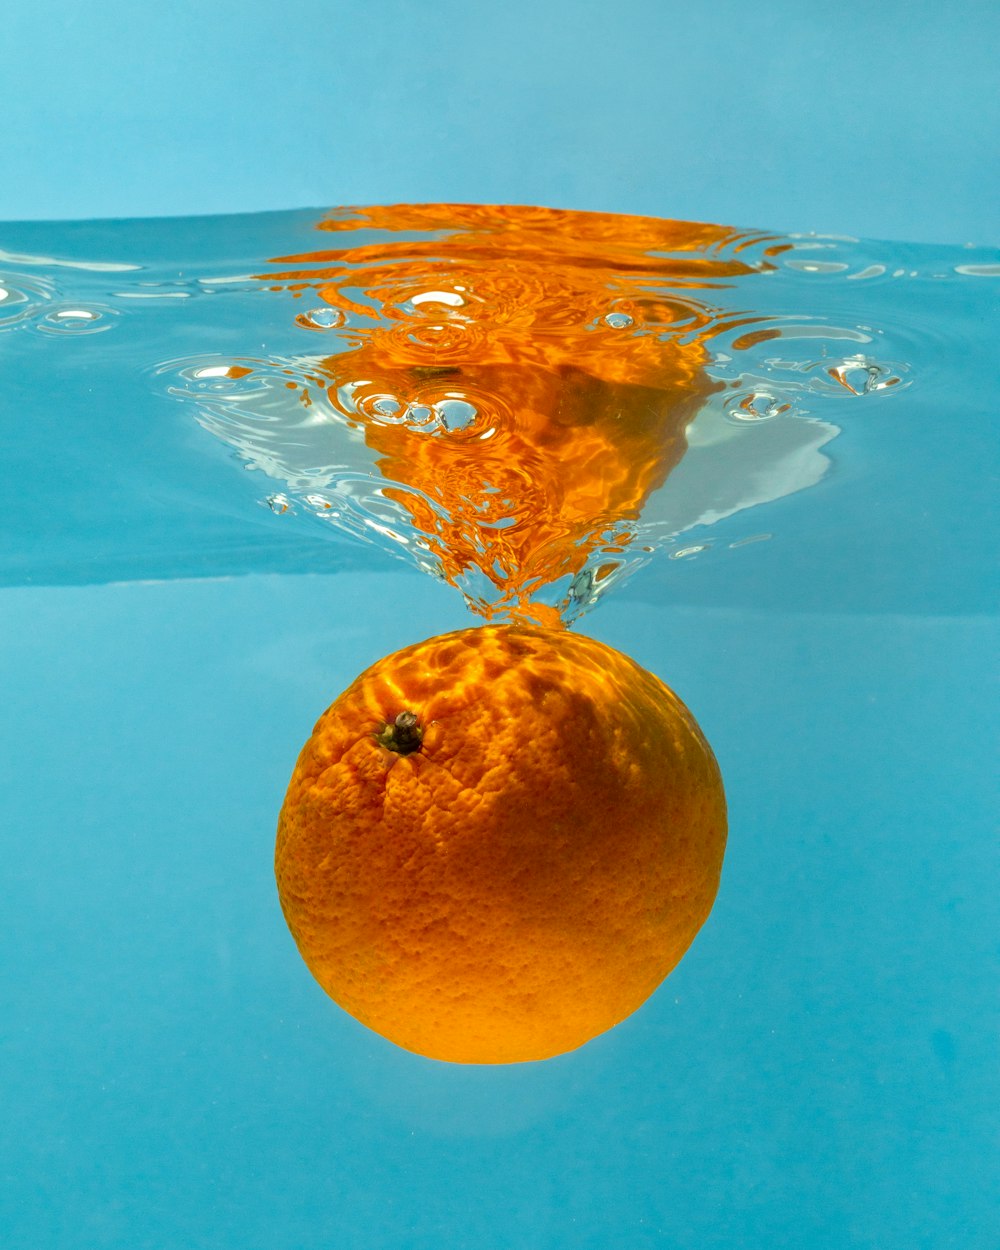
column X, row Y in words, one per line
column 820, row 1073
column 858, row 118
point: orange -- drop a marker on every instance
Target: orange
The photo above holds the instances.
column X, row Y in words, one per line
column 498, row 842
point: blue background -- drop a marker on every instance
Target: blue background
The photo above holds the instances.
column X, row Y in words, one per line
column 868, row 119
column 821, row 1070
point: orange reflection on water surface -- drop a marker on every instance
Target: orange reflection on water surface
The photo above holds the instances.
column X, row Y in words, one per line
column 524, row 377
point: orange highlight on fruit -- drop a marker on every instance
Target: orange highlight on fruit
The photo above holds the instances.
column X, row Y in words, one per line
column 497, row 843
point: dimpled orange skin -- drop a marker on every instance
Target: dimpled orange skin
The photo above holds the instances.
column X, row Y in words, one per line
column 527, row 877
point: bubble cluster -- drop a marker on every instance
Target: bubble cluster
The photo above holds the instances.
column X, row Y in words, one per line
column 428, row 407
column 789, row 364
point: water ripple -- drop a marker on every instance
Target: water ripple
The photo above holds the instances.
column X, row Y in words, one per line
column 77, row 319
column 22, row 298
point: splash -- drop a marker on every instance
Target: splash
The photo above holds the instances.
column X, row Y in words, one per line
column 507, row 390
column 523, row 378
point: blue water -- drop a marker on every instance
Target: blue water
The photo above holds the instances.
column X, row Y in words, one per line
column 821, row 1069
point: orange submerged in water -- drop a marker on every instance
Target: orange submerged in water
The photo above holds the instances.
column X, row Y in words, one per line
column 497, row 843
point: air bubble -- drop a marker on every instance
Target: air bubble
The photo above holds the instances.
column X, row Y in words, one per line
column 862, row 377
column 355, row 399
column 279, row 504
column 321, row 319
column 757, row 406
column 456, row 414
column 618, row 320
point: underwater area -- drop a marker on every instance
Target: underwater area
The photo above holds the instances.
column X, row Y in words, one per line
column 247, row 456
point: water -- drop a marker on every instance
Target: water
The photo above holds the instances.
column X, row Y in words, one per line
column 786, row 515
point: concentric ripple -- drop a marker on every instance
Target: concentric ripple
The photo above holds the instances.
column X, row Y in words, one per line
column 77, row 319
column 22, row 298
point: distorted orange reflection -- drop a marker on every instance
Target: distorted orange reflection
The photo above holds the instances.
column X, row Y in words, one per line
column 524, row 376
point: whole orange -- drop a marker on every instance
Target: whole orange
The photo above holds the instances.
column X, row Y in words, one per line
column 497, row 843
